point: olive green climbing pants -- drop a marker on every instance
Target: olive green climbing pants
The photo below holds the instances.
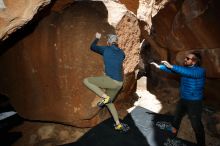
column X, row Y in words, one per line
column 111, row 88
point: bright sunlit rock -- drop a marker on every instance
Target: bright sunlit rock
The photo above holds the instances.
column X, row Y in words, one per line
column 146, row 99
column 2, row 4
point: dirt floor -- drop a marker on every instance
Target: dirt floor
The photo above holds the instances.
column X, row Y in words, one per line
column 51, row 134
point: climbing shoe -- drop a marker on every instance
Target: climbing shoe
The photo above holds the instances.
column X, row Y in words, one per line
column 172, row 130
column 122, row 127
column 167, row 127
column 104, row 101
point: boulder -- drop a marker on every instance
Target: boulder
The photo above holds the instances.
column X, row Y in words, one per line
column 44, row 77
column 13, row 15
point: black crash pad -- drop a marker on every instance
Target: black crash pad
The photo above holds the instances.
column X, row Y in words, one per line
column 145, row 130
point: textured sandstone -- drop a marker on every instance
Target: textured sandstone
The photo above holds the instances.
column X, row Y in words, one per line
column 148, row 9
column 115, row 12
column 46, row 69
column 16, row 14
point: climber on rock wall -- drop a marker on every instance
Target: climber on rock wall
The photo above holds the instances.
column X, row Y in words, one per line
column 112, row 81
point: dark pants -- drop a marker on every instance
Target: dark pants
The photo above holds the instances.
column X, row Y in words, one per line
column 194, row 111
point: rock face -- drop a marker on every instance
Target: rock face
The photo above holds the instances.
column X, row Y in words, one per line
column 13, row 15
column 184, row 26
column 44, row 75
column 129, row 33
column 148, row 9
column 191, row 25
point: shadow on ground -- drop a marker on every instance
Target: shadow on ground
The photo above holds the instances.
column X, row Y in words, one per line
column 8, row 119
column 146, row 129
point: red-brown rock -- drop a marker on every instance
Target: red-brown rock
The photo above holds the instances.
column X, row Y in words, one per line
column 43, row 72
column 16, row 14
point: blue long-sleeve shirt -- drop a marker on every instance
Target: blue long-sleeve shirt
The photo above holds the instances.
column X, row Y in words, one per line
column 113, row 59
column 192, row 81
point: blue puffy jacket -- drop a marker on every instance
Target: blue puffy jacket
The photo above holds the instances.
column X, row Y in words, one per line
column 192, row 81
